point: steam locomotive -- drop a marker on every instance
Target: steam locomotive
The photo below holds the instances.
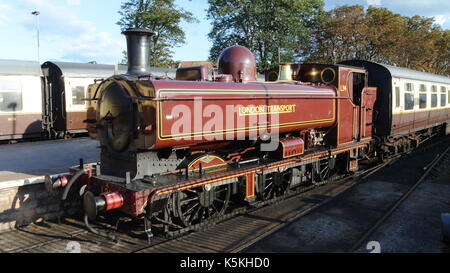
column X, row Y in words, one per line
column 179, row 152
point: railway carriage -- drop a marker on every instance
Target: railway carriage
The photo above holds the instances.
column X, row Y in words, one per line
column 48, row 101
column 410, row 106
column 20, row 99
column 65, row 88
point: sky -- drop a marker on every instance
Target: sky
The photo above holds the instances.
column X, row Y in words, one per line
column 86, row 30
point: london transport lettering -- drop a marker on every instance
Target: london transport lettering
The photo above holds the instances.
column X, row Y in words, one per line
column 266, row 109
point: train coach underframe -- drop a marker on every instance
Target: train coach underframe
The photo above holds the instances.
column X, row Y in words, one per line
column 408, row 141
column 159, row 199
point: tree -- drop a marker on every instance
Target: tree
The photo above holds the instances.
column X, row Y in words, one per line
column 441, row 62
column 379, row 35
column 384, row 35
column 341, row 36
column 274, row 30
column 163, row 18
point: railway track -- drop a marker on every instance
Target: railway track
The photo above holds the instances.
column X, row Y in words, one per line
column 348, row 220
column 235, row 234
column 439, row 160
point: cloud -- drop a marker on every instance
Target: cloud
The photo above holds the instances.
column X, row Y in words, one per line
column 441, row 19
column 373, row 2
column 67, row 37
column 73, row 2
column 4, row 8
column 421, row 7
column 95, row 46
column 55, row 17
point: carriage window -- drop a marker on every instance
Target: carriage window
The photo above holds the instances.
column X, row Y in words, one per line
column 443, row 100
column 409, row 86
column 10, row 96
column 434, row 88
column 423, row 88
column 423, row 101
column 409, row 101
column 448, row 97
column 434, row 100
column 78, row 95
column 443, row 89
column 397, row 96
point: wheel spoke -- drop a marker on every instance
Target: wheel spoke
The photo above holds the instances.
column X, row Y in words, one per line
column 192, row 207
column 185, row 201
column 221, row 190
column 214, row 207
column 192, row 217
column 270, row 191
column 191, row 191
column 271, row 183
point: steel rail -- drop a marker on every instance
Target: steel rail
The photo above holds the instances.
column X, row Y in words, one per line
column 429, row 167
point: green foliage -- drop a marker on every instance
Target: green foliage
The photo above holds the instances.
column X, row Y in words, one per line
column 379, row 35
column 275, row 30
column 163, row 18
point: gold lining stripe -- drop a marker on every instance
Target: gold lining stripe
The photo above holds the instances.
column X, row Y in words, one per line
column 242, row 91
column 234, row 130
column 256, row 170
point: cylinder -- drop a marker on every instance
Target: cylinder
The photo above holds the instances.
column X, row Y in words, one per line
column 138, row 51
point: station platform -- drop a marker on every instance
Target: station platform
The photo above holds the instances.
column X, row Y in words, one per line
column 34, row 159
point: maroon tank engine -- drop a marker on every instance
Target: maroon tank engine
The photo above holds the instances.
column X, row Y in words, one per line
column 200, row 138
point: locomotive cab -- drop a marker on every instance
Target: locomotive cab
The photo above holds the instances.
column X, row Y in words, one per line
column 355, row 103
column 351, row 79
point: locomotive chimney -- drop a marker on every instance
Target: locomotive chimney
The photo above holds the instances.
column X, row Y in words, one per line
column 138, row 46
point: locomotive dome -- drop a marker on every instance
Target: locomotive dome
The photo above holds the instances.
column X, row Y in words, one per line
column 239, row 62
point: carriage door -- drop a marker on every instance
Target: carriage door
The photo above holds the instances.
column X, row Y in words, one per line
column 76, row 104
column 53, row 97
column 397, row 108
